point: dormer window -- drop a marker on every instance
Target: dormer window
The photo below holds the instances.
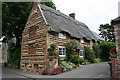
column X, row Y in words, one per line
column 62, row 35
column 82, row 41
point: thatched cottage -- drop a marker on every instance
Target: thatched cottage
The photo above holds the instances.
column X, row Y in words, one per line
column 46, row 26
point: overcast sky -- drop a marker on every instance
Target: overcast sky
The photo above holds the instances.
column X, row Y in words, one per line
column 91, row 12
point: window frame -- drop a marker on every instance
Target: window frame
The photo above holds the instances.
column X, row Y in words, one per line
column 82, row 53
column 81, row 40
column 63, row 47
column 63, row 35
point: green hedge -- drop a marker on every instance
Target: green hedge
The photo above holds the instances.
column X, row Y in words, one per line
column 105, row 48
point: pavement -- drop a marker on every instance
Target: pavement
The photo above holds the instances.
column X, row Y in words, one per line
column 97, row 70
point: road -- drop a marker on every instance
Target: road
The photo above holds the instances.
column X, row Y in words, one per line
column 98, row 70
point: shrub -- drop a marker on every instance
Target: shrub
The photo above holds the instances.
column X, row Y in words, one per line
column 70, row 47
column 72, row 64
column 81, row 61
column 97, row 50
column 97, row 60
column 75, row 59
column 57, row 71
column 14, row 56
column 52, row 51
column 66, row 66
column 45, row 72
column 105, row 48
column 89, row 54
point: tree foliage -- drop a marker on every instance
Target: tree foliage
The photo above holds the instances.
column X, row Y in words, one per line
column 107, row 32
column 49, row 4
column 14, row 19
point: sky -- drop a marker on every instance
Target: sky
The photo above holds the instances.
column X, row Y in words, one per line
column 91, row 12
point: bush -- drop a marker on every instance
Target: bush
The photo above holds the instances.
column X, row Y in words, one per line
column 14, row 56
column 97, row 60
column 57, row 71
column 97, row 50
column 52, row 51
column 89, row 54
column 75, row 59
column 66, row 66
column 70, row 46
column 105, row 48
column 45, row 72
column 72, row 64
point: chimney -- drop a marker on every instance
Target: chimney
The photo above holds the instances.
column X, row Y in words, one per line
column 72, row 15
column 35, row 3
column 119, row 8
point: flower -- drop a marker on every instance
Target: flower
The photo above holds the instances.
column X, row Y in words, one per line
column 74, row 50
column 112, row 49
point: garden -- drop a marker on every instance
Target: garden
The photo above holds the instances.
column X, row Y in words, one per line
column 98, row 53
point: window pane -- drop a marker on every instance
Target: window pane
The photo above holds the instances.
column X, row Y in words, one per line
column 81, row 53
column 60, row 53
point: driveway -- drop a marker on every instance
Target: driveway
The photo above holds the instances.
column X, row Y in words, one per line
column 98, row 70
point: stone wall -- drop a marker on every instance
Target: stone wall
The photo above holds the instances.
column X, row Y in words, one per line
column 53, row 38
column 117, row 37
column 34, row 42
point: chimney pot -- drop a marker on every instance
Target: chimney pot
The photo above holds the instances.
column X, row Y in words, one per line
column 72, row 15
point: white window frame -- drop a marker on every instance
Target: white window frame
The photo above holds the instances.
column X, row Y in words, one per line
column 82, row 41
column 83, row 53
column 62, row 51
column 62, row 35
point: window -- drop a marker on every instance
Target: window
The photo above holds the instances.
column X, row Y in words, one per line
column 31, row 49
column 35, row 66
column 82, row 41
column 62, row 35
column 81, row 53
column 32, row 31
column 62, row 50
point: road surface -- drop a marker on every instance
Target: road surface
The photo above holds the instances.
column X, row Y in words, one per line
column 98, row 70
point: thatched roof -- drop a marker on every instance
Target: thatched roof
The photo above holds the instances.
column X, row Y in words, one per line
column 60, row 22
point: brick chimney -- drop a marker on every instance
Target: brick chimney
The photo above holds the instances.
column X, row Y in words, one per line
column 35, row 3
column 72, row 15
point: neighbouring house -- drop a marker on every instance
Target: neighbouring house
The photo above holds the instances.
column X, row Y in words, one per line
column 47, row 26
column 3, row 53
column 97, row 36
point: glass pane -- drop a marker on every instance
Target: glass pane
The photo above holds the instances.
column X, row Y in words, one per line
column 60, row 53
column 81, row 53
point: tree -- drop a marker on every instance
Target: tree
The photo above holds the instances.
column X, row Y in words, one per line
column 49, row 4
column 107, row 32
column 14, row 19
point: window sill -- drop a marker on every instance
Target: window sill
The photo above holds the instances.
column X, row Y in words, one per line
column 62, row 55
